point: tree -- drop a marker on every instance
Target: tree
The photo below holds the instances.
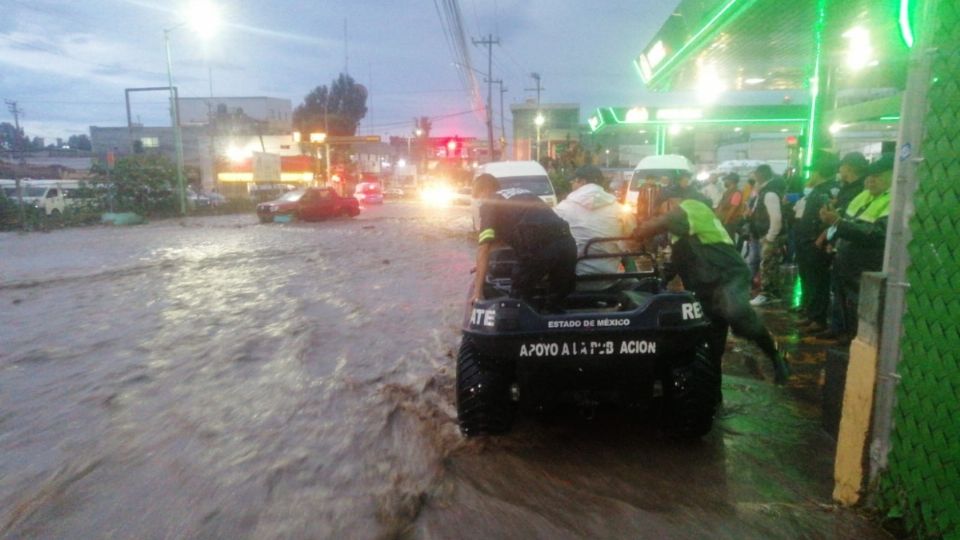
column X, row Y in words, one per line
column 336, row 110
column 140, row 183
column 13, row 139
column 79, row 142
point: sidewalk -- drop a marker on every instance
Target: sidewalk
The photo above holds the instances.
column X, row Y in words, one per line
column 814, row 381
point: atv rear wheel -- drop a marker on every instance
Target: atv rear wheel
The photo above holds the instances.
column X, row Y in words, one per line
column 483, row 393
column 691, row 397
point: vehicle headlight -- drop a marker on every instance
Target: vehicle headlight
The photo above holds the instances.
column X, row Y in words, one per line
column 437, row 195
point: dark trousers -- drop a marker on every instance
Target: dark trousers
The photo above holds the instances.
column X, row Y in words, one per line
column 850, row 300
column 843, row 306
column 557, row 262
column 728, row 307
column 814, row 267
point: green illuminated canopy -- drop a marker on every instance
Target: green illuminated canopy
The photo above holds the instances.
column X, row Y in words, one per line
column 769, row 44
column 739, row 115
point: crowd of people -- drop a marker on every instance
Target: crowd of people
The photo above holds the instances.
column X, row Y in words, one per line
column 726, row 243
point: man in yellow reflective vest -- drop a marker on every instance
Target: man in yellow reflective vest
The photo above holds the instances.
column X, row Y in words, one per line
column 860, row 235
column 705, row 259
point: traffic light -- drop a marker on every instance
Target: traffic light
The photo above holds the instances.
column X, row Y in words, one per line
column 792, row 141
column 453, row 147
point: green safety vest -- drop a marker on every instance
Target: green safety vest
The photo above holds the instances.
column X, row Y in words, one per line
column 704, row 223
column 866, row 207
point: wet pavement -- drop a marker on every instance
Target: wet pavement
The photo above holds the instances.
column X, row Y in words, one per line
column 218, row 378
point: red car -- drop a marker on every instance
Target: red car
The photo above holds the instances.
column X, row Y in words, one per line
column 369, row 193
column 311, row 204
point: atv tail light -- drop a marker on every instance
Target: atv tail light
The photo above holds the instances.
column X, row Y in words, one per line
column 670, row 318
column 508, row 316
column 515, row 392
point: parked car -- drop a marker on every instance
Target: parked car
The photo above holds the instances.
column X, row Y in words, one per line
column 394, row 193
column 311, row 204
column 369, row 193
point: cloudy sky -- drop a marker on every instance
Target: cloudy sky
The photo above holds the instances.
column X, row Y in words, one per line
column 66, row 63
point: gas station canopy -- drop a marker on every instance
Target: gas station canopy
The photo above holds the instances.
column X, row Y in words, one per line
column 850, row 56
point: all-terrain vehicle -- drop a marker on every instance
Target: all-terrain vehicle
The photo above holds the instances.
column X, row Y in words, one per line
column 631, row 343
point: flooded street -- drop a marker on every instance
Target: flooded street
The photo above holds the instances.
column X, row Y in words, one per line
column 218, row 378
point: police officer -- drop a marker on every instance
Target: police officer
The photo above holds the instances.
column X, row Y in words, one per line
column 704, row 257
column 541, row 240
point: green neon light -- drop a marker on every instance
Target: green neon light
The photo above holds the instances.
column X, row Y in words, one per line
column 906, row 31
column 667, row 65
column 797, row 293
column 890, row 118
column 815, row 83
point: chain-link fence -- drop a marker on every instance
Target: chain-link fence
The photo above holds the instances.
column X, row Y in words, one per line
column 922, row 478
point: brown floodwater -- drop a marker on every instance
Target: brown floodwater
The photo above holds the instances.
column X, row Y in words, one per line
column 218, row 378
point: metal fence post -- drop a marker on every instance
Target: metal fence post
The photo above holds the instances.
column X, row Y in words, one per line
column 897, row 258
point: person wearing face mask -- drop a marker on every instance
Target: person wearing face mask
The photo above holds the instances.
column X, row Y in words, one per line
column 860, row 234
column 813, row 262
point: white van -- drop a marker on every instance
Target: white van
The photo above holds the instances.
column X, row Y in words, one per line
column 48, row 195
column 528, row 175
column 669, row 165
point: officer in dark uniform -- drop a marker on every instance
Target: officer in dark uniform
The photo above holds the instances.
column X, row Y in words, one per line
column 541, row 240
column 704, row 257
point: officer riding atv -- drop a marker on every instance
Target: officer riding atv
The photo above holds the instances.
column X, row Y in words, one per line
column 534, row 337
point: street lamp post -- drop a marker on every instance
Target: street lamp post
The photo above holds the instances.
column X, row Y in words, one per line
column 175, row 122
column 419, row 133
column 538, row 121
column 204, row 19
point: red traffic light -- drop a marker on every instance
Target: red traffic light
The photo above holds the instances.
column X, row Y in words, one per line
column 792, row 140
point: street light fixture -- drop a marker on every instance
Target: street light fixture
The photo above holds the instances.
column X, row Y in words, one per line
column 204, row 19
column 538, row 121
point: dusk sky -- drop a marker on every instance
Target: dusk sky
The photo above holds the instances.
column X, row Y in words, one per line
column 66, row 63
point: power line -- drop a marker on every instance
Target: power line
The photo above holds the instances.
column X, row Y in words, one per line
column 432, row 118
column 59, row 52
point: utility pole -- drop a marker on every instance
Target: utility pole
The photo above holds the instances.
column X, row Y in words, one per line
column 503, row 129
column 489, row 42
column 538, row 89
column 16, row 111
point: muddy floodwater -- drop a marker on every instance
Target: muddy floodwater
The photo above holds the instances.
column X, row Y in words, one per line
column 219, row 378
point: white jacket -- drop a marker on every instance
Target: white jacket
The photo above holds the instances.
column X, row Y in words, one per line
column 594, row 213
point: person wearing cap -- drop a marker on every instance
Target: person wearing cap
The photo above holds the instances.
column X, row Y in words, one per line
column 592, row 213
column 766, row 227
column 853, row 172
column 706, row 261
column 853, row 175
column 682, row 188
column 540, row 239
column 813, row 262
column 860, row 234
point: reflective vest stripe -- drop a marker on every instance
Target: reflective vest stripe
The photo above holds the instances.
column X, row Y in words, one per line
column 486, row 235
column 866, row 207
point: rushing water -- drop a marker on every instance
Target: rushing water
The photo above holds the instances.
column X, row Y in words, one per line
column 217, row 378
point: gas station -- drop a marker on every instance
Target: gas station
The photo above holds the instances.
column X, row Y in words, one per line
column 823, row 76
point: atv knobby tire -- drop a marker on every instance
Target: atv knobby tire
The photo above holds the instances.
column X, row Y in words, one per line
column 689, row 411
column 483, row 393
